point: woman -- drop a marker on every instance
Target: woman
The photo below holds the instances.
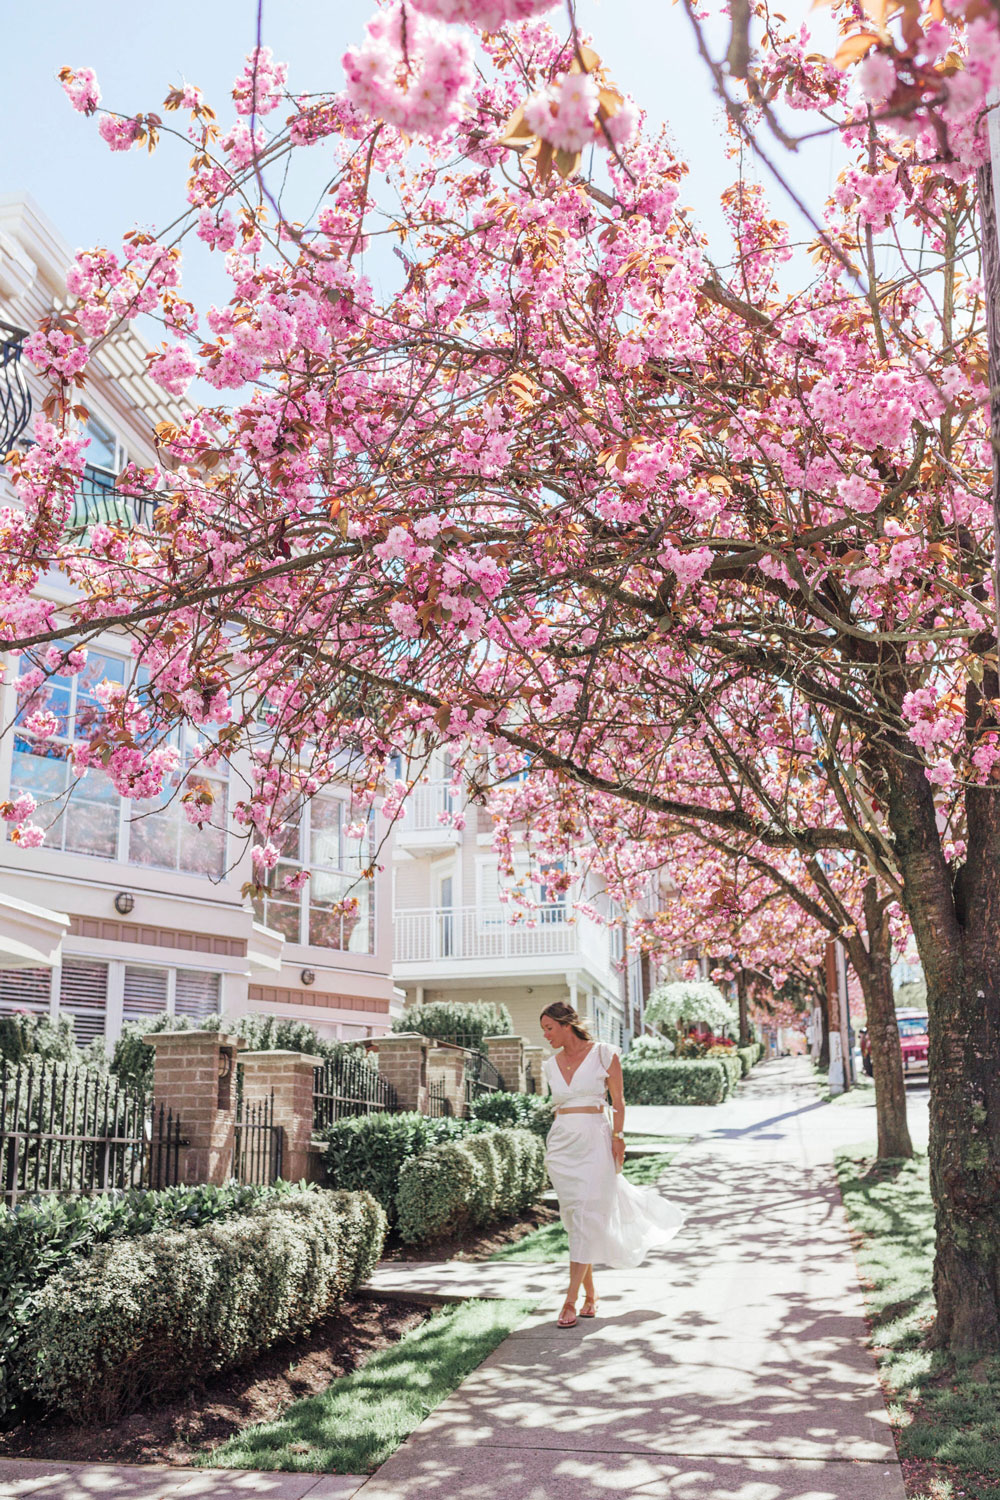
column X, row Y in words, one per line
column 607, row 1218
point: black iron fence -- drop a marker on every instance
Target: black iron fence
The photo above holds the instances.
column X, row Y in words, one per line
column 438, row 1103
column 481, row 1077
column 72, row 1130
column 258, row 1144
column 347, row 1084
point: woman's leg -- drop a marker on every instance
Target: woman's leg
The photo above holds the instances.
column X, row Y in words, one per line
column 589, row 1291
column 578, row 1269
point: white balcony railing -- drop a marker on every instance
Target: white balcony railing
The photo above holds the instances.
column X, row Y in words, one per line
column 433, row 933
column 427, row 804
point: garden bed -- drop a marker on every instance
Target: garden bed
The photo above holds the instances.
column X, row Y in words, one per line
column 176, row 1432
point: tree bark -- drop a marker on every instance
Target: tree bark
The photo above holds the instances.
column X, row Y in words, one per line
column 874, row 970
column 741, row 992
column 824, row 1046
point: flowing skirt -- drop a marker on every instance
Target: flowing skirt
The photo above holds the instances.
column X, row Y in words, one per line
column 608, row 1219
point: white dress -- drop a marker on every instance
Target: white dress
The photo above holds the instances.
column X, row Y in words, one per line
column 609, row 1220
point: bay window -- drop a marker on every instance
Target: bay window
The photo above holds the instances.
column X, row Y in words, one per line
column 335, row 907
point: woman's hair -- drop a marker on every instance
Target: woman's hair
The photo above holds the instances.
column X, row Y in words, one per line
column 564, row 1013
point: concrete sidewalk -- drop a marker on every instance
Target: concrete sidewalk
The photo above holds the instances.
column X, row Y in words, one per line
column 733, row 1366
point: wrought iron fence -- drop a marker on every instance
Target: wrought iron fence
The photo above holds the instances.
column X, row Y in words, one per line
column 481, row 1077
column 258, row 1144
column 71, row 1130
column 347, row 1084
column 438, row 1103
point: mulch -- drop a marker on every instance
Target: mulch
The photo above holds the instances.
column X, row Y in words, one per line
column 175, row 1432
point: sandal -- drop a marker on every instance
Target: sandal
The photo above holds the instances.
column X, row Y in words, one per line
column 590, row 1302
column 564, row 1321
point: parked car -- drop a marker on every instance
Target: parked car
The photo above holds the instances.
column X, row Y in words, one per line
column 912, row 1039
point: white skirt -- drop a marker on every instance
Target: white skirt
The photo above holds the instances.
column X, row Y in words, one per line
column 609, row 1220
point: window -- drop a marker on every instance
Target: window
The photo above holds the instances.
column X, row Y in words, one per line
column 145, row 993
column 315, row 839
column 196, row 995
column 85, row 815
column 84, row 996
column 80, row 816
column 25, row 990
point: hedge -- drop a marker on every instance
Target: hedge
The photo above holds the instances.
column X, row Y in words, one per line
column 528, row 1111
column 367, row 1153
column 700, row 1080
column 469, row 1182
column 732, row 1067
column 40, row 1238
column 749, row 1056
column 145, row 1318
column 468, row 1023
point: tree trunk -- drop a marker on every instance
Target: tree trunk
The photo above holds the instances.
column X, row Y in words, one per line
column 741, row 991
column 874, row 969
column 824, row 1046
column 958, row 937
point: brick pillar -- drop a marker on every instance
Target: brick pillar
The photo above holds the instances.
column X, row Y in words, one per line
column 448, row 1063
column 291, row 1077
column 533, row 1059
column 402, row 1061
column 194, row 1074
column 506, row 1053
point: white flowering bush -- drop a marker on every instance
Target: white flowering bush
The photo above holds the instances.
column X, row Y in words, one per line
column 685, row 1003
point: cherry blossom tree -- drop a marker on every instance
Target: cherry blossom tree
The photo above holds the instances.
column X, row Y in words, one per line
column 572, row 483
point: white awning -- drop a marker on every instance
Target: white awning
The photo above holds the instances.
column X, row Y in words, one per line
column 30, row 936
column 265, row 950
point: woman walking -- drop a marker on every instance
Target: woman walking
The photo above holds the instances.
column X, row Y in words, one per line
column 608, row 1220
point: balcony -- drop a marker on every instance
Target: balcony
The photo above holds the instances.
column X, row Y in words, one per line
column 465, row 935
column 98, row 499
column 422, row 830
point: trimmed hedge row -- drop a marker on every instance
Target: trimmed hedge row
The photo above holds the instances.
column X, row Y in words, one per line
column 700, row 1080
column 41, row 1238
column 675, row 1080
column 467, row 1023
column 521, row 1111
column 473, row 1181
column 367, row 1153
column 143, row 1318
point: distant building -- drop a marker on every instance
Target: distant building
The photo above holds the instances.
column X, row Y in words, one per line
column 457, row 939
column 127, row 910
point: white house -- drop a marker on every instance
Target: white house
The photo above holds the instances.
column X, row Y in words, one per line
column 127, row 910
column 457, row 939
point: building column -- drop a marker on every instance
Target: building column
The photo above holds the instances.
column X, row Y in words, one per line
column 291, row 1078
column 402, row 1061
column 194, row 1075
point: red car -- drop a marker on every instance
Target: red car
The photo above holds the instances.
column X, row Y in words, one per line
column 912, row 1039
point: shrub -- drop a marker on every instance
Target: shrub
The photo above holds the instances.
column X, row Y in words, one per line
column 38, row 1239
column 473, row 1181
column 143, row 1318
column 367, row 1153
column 731, row 1065
column 467, row 1024
column 749, row 1056
column 132, row 1060
column 25, row 1035
column 675, row 1081
column 690, row 1003
column 528, row 1111
column 651, row 1046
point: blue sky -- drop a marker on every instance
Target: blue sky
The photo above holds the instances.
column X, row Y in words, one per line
column 138, row 50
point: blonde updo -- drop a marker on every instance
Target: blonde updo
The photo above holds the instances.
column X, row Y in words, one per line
column 564, row 1014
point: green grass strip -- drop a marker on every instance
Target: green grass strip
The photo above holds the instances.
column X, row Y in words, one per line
column 551, row 1242
column 362, row 1418
column 945, row 1412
